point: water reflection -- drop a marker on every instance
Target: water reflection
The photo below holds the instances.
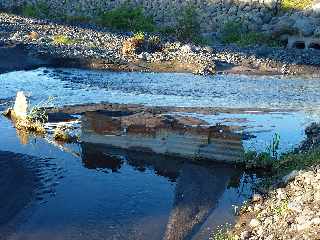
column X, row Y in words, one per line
column 124, row 193
column 197, row 193
column 92, row 158
column 198, row 186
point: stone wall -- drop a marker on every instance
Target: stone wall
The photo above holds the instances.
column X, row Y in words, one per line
column 256, row 15
column 212, row 13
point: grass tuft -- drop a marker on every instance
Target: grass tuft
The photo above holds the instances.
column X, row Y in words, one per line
column 64, row 40
column 287, row 5
column 28, row 126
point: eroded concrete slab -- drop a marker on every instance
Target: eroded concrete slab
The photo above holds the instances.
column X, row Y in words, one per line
column 175, row 135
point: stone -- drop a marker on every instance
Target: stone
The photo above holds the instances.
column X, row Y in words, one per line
column 245, row 235
column 291, row 176
column 282, row 26
column 254, row 223
column 281, row 194
column 257, row 198
column 20, row 106
column 316, row 221
column 33, row 36
column 186, row 48
column 294, row 206
column 304, row 26
column 316, row 32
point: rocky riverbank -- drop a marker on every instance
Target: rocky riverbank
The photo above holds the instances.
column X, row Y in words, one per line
column 291, row 212
column 291, row 209
column 56, row 44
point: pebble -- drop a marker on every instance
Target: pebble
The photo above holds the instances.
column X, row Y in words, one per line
column 257, row 198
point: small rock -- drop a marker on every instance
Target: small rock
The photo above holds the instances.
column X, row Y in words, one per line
column 33, row 36
column 245, row 235
column 294, row 206
column 316, row 221
column 186, row 48
column 281, row 194
column 254, row 223
column 257, row 198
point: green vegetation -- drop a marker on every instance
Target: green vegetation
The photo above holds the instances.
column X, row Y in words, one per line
column 188, row 27
column 38, row 113
column 28, row 126
column 37, row 10
column 222, row 233
column 296, row 161
column 74, row 19
column 287, row 5
column 264, row 159
column 282, row 208
column 235, row 32
column 126, row 18
column 281, row 164
column 139, row 36
column 63, row 40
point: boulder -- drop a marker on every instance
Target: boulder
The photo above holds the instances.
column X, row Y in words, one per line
column 20, row 106
column 305, row 26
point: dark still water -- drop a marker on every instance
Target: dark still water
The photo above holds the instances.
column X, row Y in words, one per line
column 91, row 191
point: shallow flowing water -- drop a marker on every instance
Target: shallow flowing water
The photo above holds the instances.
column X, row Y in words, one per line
column 72, row 86
column 91, row 191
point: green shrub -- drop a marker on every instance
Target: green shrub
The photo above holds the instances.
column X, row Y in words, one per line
column 296, row 161
column 188, row 27
column 235, row 32
column 167, row 31
column 139, row 36
column 75, row 19
column 127, row 18
column 40, row 9
column 231, row 32
column 287, row 5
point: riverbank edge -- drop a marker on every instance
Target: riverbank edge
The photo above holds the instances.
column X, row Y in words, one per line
column 289, row 211
column 33, row 36
column 23, row 58
column 286, row 204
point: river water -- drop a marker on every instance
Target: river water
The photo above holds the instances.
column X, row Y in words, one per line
column 90, row 191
